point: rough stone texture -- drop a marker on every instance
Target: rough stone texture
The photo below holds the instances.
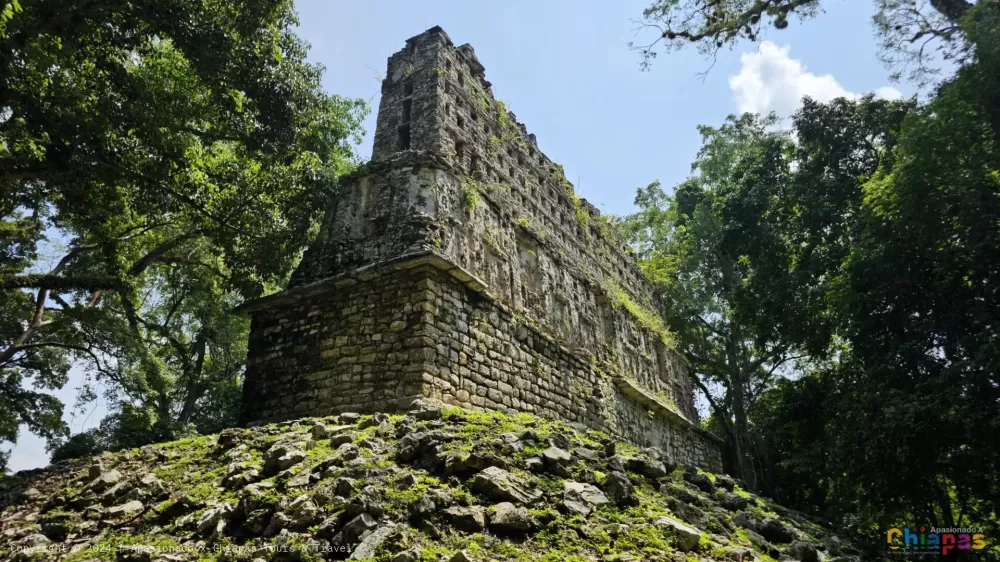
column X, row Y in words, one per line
column 509, row 517
column 51, row 515
column 582, row 498
column 458, row 265
column 367, row 548
column 500, row 485
column 687, row 536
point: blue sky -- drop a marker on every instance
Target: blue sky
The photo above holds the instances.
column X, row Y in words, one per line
column 564, row 68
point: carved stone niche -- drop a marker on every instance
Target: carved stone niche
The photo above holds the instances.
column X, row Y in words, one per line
column 529, row 264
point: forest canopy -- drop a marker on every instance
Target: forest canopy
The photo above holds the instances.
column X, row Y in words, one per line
column 159, row 162
column 834, row 280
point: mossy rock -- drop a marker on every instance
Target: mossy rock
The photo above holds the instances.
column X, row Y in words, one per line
column 309, row 511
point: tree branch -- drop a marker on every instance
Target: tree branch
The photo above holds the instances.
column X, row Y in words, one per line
column 93, row 283
column 722, row 413
column 48, row 281
column 87, row 350
column 193, row 390
column 147, row 260
column 182, row 351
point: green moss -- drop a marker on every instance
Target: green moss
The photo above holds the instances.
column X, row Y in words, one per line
column 582, row 216
column 183, row 454
column 203, row 491
column 434, row 553
column 605, row 224
column 611, row 533
column 269, row 495
column 647, row 318
column 106, row 548
column 645, row 539
column 488, row 425
column 492, row 237
column 742, row 537
column 761, row 513
column 664, row 397
column 300, row 545
column 398, row 500
column 479, row 99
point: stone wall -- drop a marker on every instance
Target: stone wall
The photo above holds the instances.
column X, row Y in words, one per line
column 487, row 356
column 422, row 327
column 455, row 177
column 436, row 99
column 414, row 201
column 349, row 347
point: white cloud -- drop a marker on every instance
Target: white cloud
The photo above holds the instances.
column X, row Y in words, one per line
column 770, row 80
column 888, row 93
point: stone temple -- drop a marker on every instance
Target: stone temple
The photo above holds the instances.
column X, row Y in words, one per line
column 458, row 265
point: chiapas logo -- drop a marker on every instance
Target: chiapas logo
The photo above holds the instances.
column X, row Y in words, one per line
column 944, row 541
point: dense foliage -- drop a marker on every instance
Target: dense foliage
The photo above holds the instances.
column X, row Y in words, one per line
column 174, row 156
column 832, row 279
column 868, row 242
column 914, row 37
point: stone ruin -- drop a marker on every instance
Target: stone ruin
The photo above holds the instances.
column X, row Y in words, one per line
column 458, row 265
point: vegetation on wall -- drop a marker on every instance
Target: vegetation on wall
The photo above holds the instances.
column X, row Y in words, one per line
column 470, row 193
column 648, row 319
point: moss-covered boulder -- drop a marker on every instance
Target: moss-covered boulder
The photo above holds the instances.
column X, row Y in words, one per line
column 434, row 485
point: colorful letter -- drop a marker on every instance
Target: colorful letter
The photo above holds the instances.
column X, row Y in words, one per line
column 911, row 538
column 933, row 542
column 947, row 543
column 893, row 534
column 978, row 542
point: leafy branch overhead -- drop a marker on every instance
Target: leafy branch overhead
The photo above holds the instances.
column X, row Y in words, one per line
column 912, row 34
column 140, row 140
column 712, row 24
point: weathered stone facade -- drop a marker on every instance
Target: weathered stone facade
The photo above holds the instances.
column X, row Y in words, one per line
column 459, row 265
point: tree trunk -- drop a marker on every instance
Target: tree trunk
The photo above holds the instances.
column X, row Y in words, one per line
column 737, row 387
column 744, row 446
column 737, row 395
